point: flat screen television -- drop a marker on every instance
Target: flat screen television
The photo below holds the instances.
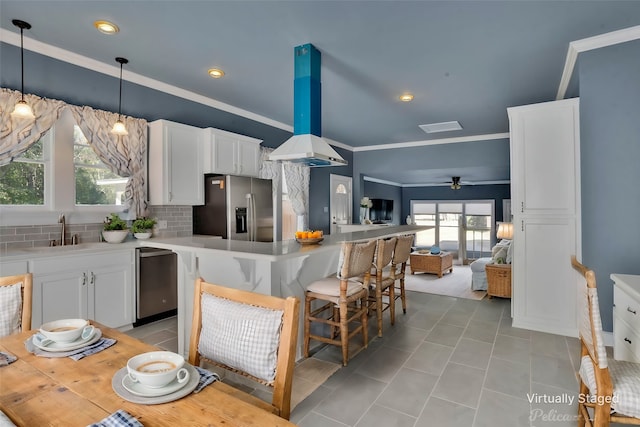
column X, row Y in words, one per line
column 381, row 210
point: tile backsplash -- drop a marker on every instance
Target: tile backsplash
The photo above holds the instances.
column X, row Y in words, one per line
column 178, row 218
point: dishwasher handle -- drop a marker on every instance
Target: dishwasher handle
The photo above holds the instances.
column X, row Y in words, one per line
column 153, row 253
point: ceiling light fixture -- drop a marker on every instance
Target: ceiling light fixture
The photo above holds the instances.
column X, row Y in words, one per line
column 216, row 73
column 119, row 127
column 407, row 97
column 22, row 109
column 441, row 127
column 106, row 27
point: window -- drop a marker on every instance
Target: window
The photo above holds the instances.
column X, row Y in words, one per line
column 59, row 174
column 22, row 181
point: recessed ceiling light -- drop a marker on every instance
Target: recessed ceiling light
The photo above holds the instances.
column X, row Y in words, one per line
column 106, row 27
column 441, row 127
column 406, row 97
column 216, row 73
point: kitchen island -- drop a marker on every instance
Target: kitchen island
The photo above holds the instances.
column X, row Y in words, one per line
column 282, row 269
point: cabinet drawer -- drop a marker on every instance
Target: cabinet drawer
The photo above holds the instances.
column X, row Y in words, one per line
column 626, row 341
column 627, row 308
column 48, row 265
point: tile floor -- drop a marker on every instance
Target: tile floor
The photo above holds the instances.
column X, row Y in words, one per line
column 447, row 362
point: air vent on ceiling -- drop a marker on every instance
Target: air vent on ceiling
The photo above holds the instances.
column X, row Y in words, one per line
column 441, row 127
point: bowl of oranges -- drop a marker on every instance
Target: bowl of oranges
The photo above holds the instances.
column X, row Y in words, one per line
column 309, row 237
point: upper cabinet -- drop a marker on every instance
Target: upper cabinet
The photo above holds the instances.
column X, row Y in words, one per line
column 175, row 164
column 230, row 153
column 545, row 151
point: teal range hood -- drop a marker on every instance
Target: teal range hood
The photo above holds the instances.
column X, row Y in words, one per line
column 306, row 146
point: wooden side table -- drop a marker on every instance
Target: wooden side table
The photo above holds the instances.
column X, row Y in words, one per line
column 428, row 263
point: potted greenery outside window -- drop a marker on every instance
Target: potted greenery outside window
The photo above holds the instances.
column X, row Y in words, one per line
column 114, row 229
column 143, row 227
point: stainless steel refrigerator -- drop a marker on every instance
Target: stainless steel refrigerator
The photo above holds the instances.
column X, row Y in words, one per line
column 236, row 208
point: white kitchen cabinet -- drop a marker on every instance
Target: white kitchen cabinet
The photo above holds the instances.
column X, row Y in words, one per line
column 230, row 153
column 97, row 286
column 626, row 317
column 545, row 195
column 175, row 164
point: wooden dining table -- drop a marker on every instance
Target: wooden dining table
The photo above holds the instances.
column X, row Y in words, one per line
column 38, row 391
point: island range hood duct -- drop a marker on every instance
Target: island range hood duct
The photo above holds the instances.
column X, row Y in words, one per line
column 306, row 146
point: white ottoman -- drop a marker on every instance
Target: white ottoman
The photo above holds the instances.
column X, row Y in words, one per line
column 478, row 275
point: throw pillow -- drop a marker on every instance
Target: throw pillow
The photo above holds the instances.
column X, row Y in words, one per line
column 509, row 254
column 500, row 255
column 240, row 336
column 10, row 309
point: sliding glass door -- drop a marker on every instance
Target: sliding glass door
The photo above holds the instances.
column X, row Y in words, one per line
column 462, row 227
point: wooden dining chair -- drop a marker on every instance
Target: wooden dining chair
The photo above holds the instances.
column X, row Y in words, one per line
column 612, row 386
column 15, row 303
column 345, row 299
column 251, row 334
column 399, row 267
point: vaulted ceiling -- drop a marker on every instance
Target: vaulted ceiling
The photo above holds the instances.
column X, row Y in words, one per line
column 464, row 61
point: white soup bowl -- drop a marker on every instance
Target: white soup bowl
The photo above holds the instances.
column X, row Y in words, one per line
column 156, row 369
column 67, row 330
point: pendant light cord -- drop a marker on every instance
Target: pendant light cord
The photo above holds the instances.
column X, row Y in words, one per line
column 22, row 63
column 120, row 97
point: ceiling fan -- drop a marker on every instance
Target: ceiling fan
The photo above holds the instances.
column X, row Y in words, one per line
column 456, row 183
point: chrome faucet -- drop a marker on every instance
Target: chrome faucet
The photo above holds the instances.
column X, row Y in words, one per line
column 62, row 230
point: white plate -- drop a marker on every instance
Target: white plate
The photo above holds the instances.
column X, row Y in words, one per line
column 67, row 346
column 144, row 391
column 117, row 383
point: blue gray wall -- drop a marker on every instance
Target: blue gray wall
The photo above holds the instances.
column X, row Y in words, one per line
column 610, row 162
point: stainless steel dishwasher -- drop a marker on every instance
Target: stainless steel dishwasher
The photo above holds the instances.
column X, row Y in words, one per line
column 156, row 284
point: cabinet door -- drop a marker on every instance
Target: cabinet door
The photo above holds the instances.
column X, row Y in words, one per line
column 225, row 154
column 248, row 158
column 184, row 154
column 545, row 157
column 175, row 164
column 545, row 286
column 111, row 295
column 60, row 295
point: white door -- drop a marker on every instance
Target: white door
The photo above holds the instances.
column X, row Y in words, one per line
column 340, row 200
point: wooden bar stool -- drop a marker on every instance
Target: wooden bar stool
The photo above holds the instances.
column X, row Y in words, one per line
column 346, row 299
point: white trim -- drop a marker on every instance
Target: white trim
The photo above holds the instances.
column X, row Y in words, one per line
column 473, row 138
column 448, row 184
column 591, row 43
column 382, row 181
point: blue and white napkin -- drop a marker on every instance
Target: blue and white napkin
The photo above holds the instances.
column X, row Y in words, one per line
column 206, row 377
column 77, row 354
column 6, row 358
column 119, row 418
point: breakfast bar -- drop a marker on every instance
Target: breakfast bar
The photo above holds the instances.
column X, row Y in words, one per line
column 281, row 269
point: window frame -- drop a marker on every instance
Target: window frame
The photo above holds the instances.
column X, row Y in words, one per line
column 59, row 194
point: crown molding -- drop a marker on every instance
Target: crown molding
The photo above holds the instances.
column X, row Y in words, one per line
column 447, row 184
column 381, row 181
column 591, row 43
column 473, row 138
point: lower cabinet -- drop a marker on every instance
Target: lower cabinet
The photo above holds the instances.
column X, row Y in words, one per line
column 626, row 317
column 98, row 286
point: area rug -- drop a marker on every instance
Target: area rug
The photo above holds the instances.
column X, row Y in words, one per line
column 455, row 284
column 308, row 375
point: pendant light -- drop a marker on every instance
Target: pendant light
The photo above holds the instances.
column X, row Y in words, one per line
column 22, row 110
column 119, row 127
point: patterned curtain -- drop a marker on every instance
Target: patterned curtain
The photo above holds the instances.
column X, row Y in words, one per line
column 17, row 135
column 297, row 178
column 123, row 155
column 270, row 170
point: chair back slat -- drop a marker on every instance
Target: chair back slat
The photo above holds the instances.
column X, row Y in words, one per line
column 355, row 258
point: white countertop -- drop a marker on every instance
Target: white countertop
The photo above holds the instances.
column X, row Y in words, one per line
column 276, row 250
column 248, row 250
